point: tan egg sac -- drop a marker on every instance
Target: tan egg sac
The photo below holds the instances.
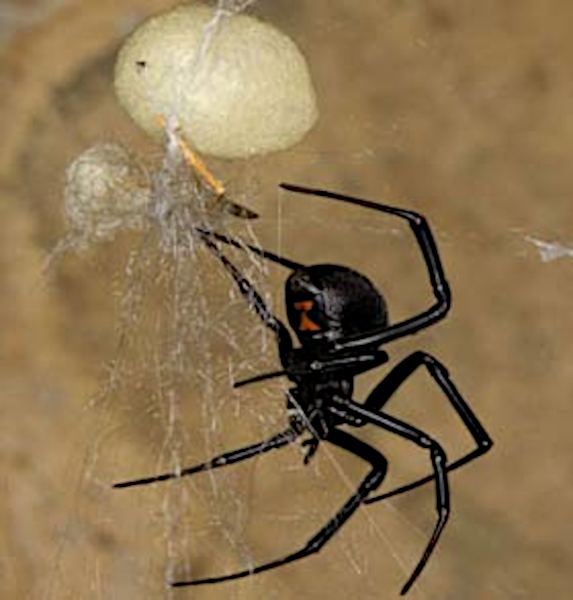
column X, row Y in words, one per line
column 237, row 89
column 106, row 190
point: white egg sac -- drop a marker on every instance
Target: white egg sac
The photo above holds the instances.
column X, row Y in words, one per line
column 238, row 89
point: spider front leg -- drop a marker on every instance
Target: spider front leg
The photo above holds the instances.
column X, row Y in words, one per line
column 251, row 295
column 431, row 257
column 254, row 301
column 388, row 386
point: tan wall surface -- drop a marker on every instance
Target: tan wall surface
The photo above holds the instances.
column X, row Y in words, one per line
column 460, row 110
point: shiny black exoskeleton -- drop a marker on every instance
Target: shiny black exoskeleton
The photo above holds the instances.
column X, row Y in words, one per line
column 341, row 321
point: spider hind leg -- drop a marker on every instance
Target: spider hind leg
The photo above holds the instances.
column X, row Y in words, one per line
column 384, row 391
column 223, row 460
column 438, row 460
column 371, row 482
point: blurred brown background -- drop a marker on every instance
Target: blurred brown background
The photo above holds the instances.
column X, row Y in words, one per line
column 460, row 110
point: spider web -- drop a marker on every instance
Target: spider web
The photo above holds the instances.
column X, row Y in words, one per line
column 184, row 334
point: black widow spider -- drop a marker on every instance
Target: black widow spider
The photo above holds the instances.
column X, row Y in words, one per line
column 341, row 322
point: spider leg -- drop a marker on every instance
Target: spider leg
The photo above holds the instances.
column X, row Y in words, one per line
column 251, row 295
column 229, row 458
column 345, row 408
column 371, row 482
column 388, row 386
column 271, row 256
column 431, row 257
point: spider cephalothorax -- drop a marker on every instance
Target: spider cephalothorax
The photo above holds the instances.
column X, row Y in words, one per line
column 329, row 302
column 342, row 323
